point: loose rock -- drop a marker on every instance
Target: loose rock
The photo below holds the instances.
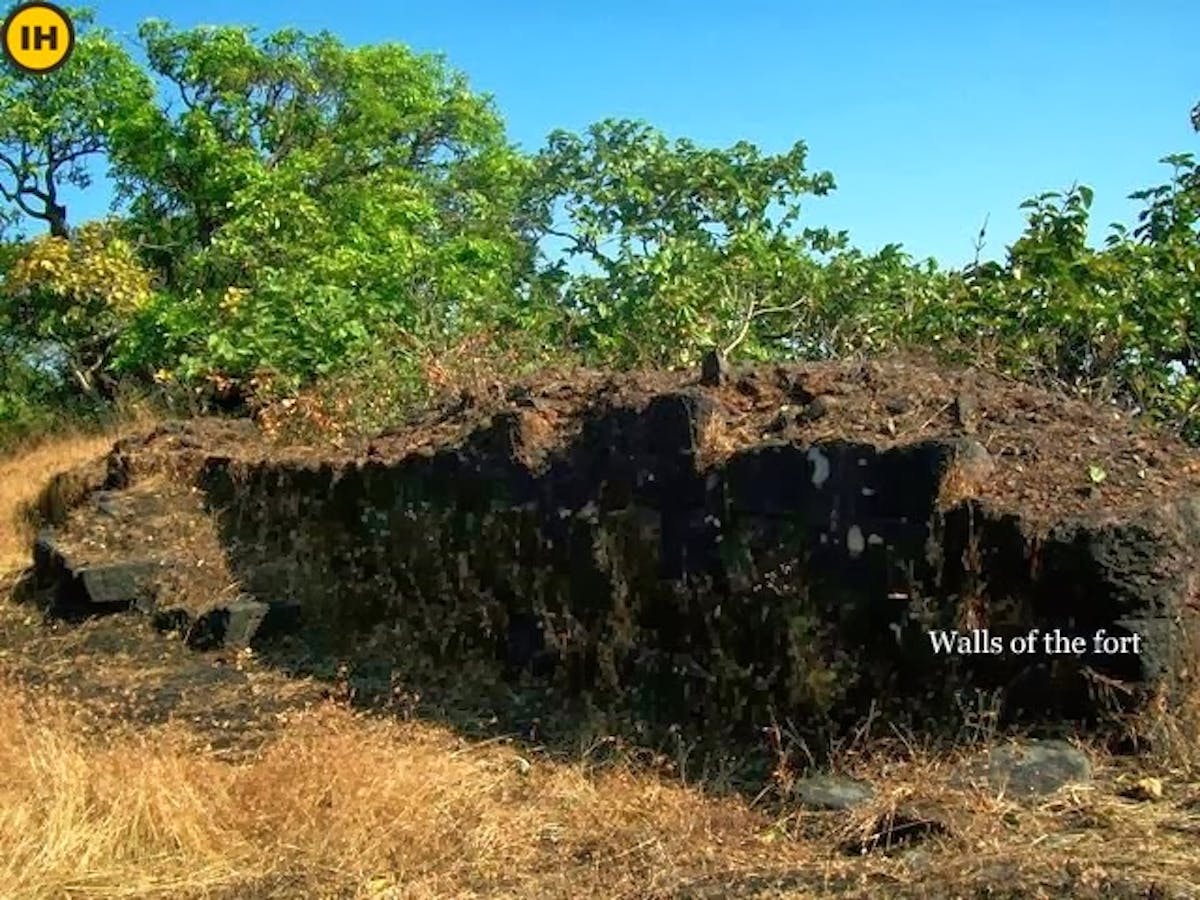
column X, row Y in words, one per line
column 1029, row 768
column 241, row 623
column 816, row 409
column 831, row 792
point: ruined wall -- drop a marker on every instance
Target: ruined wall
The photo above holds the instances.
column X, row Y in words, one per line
column 785, row 581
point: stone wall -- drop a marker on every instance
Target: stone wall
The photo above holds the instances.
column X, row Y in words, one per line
column 784, row 581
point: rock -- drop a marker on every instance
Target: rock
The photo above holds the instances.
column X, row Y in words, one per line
column 49, row 562
column 714, row 370
column 168, row 620
column 675, row 424
column 283, row 617
column 226, row 626
column 831, row 792
column 816, row 409
column 106, row 504
column 970, row 452
column 524, row 647
column 123, row 584
column 521, row 395
column 972, row 461
column 86, row 590
column 778, row 424
column 747, row 386
column 242, row 623
column 1029, row 768
column 965, row 410
column 799, row 391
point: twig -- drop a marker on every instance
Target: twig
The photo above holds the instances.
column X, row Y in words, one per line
column 929, row 421
column 752, row 314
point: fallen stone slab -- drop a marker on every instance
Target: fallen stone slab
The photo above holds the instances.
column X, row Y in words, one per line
column 119, row 585
column 92, row 589
column 241, row 623
column 831, row 792
column 1028, row 768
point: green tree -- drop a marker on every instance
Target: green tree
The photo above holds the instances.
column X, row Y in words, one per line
column 53, row 126
column 667, row 248
column 1116, row 320
column 301, row 197
column 66, row 300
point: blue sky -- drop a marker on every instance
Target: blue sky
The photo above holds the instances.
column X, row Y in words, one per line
column 930, row 115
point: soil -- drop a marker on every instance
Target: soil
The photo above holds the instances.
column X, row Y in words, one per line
column 1056, row 456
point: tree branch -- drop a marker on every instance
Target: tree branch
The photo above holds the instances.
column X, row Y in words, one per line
column 753, row 313
column 582, row 245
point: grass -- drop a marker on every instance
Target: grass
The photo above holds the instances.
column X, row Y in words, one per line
column 337, row 805
column 112, row 785
column 23, row 472
column 340, row 804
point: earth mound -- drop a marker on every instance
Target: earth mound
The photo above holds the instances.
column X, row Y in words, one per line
column 815, row 543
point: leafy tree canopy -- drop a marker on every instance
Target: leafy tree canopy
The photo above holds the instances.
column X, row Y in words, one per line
column 333, row 190
column 51, row 128
column 673, row 246
column 296, row 210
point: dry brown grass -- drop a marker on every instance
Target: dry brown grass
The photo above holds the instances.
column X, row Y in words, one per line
column 25, row 471
column 343, row 805
column 336, row 806
column 340, row 804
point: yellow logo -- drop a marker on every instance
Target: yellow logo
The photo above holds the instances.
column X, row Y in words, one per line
column 38, row 37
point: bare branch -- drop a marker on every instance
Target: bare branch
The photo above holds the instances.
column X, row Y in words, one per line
column 17, row 196
column 752, row 313
column 581, row 244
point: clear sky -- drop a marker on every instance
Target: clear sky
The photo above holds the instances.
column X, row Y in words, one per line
column 930, row 115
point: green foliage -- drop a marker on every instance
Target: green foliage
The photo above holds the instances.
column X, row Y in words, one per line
column 1120, row 320
column 309, row 219
column 310, row 195
column 859, row 303
column 52, row 127
column 65, row 301
column 670, row 246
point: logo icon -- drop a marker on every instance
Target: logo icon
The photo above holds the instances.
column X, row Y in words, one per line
column 38, row 37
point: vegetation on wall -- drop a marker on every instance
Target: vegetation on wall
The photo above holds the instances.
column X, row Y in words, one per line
column 294, row 214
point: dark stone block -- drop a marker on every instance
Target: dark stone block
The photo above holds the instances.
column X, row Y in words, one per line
column 524, row 647
column 119, row 585
column 87, row 590
column 714, row 370
column 772, row 480
column 242, row 623
column 49, row 563
column 1029, row 768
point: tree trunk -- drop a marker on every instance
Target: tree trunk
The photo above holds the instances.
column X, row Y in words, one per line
column 56, row 216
